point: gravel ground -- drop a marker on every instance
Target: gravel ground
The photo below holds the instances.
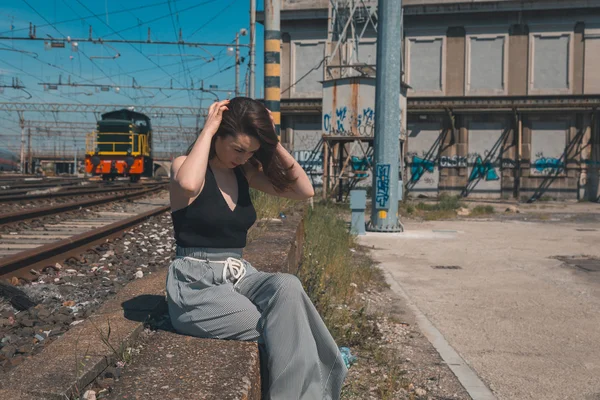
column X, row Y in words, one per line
column 69, row 292
column 401, row 363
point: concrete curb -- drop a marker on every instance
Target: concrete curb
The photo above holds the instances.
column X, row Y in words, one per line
column 465, row 374
column 76, row 358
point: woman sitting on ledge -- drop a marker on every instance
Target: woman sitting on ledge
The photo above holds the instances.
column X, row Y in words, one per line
column 212, row 291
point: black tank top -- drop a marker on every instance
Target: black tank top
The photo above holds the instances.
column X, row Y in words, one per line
column 209, row 222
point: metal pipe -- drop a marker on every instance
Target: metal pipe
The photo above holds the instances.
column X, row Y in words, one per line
column 22, row 155
column 273, row 61
column 519, row 152
column 252, row 47
column 384, row 213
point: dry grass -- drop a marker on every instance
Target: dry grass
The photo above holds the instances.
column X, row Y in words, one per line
column 445, row 208
column 266, row 206
column 335, row 271
column 482, row 210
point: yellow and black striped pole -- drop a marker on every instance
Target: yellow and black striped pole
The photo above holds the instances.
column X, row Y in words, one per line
column 272, row 61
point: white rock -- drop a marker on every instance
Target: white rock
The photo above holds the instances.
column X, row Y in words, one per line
column 463, row 212
column 89, row 395
column 420, row 392
column 57, row 266
column 139, row 274
column 76, row 322
column 126, row 243
column 512, row 209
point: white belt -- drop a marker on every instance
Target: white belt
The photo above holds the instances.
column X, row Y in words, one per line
column 234, row 266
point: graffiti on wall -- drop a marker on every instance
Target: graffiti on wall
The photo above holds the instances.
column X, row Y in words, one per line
column 453, row 161
column 418, row 168
column 311, row 163
column 483, row 169
column 382, row 189
column 547, row 165
column 345, row 122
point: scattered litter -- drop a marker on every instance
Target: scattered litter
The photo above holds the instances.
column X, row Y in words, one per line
column 349, row 359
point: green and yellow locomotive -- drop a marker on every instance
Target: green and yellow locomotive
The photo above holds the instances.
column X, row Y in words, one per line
column 120, row 146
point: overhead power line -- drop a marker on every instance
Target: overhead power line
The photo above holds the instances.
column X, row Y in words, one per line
column 100, row 108
column 133, row 86
column 115, row 12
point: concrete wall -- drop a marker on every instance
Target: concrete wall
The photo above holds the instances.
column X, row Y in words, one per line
column 349, row 107
column 306, row 133
column 422, row 160
column 496, row 52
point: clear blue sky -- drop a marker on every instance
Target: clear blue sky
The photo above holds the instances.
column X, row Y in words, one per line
column 214, row 21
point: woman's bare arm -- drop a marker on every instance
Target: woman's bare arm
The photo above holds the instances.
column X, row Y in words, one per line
column 188, row 173
column 301, row 189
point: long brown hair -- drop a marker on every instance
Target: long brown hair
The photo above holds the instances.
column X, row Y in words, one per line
column 249, row 116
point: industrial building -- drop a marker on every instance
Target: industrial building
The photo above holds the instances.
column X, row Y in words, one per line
column 502, row 95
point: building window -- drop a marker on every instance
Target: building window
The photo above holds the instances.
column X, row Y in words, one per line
column 425, row 65
column 550, row 63
column 308, row 59
column 486, row 64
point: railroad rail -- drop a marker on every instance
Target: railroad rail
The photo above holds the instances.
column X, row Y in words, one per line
column 79, row 191
column 60, row 208
column 21, row 263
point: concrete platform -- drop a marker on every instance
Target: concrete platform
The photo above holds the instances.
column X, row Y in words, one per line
column 499, row 293
column 219, row 369
column 174, row 366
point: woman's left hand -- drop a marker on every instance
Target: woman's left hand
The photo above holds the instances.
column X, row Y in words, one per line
column 272, row 119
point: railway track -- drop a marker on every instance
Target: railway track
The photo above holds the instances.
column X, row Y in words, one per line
column 37, row 211
column 71, row 191
column 25, row 249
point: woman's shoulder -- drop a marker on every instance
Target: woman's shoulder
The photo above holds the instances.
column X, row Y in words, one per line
column 176, row 164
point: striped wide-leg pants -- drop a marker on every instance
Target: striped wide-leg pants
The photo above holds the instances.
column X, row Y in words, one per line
column 299, row 358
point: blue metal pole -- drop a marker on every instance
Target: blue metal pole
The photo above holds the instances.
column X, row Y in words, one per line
column 384, row 213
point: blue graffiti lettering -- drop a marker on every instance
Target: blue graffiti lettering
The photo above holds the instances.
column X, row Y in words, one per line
column 326, row 122
column 382, row 194
column 360, row 165
column 548, row 165
column 341, row 116
column 367, row 116
column 418, row 168
column 483, row 170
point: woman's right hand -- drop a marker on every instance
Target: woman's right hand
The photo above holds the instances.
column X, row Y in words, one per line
column 215, row 116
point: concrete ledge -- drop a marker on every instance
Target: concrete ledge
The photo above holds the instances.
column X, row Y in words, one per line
column 175, row 366
column 80, row 355
column 224, row 369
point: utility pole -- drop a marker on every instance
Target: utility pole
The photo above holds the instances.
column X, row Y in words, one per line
column 29, row 158
column 22, row 155
column 237, row 64
column 272, row 61
column 252, row 46
column 74, row 157
column 384, row 212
